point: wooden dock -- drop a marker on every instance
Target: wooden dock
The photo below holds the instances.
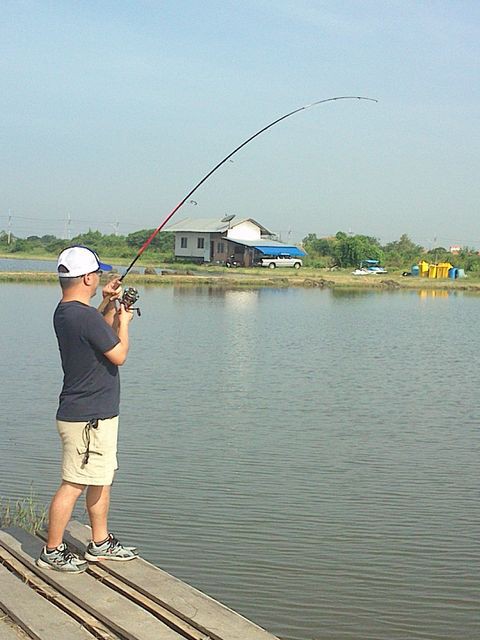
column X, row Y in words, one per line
column 110, row 601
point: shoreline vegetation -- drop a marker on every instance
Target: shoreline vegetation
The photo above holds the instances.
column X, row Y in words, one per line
column 153, row 271
column 328, row 263
column 25, row 513
column 221, row 277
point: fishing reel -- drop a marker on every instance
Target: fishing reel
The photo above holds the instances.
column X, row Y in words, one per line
column 129, row 298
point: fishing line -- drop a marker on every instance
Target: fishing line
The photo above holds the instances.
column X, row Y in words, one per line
column 190, row 193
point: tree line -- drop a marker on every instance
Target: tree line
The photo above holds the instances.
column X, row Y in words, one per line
column 342, row 250
column 345, row 250
column 110, row 245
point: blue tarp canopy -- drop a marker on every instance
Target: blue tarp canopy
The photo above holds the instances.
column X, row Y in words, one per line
column 278, row 251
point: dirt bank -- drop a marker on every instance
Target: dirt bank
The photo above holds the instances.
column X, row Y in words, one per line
column 306, row 278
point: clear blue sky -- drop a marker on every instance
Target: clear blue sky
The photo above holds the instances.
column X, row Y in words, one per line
column 111, row 111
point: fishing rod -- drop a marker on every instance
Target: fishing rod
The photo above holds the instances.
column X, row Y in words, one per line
column 199, row 184
column 217, row 166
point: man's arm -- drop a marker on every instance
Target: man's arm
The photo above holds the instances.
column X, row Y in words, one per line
column 110, row 292
column 122, row 319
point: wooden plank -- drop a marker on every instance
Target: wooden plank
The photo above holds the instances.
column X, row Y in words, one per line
column 148, row 604
column 38, row 617
column 90, row 623
column 173, row 621
column 8, row 633
column 200, row 610
column 115, row 611
column 8, row 630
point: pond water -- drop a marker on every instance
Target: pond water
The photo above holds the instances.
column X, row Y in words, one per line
column 307, row 457
column 14, row 264
column 48, row 266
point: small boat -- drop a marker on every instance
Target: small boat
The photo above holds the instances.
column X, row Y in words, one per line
column 368, row 268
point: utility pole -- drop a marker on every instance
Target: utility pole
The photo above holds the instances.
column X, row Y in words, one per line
column 115, row 226
column 68, row 223
column 9, row 235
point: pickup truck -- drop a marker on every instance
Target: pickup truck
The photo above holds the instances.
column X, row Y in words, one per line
column 282, row 260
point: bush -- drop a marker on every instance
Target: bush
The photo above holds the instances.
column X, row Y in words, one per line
column 317, row 262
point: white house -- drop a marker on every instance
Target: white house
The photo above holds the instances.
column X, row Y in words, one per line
column 213, row 240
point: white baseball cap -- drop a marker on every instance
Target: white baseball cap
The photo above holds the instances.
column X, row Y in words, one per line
column 78, row 261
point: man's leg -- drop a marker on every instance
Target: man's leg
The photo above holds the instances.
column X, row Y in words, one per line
column 104, row 545
column 60, row 511
column 98, row 503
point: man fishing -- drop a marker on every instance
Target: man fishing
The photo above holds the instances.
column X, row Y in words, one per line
column 92, row 347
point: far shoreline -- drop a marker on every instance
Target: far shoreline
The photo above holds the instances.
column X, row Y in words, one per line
column 305, row 278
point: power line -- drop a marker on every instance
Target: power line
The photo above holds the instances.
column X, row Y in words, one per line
column 51, row 226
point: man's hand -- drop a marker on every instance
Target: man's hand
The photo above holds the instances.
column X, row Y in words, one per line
column 111, row 292
column 124, row 315
column 113, row 289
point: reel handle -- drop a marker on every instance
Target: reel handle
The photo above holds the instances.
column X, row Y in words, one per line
column 128, row 299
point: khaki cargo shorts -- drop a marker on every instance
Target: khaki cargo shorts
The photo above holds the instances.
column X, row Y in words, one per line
column 89, row 451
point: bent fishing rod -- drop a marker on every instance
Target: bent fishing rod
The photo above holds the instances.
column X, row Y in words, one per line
column 217, row 166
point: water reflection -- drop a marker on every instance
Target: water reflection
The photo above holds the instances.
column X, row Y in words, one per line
column 242, row 300
column 339, row 293
column 230, row 296
column 434, row 293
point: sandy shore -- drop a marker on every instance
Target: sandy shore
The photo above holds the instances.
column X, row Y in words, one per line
column 280, row 278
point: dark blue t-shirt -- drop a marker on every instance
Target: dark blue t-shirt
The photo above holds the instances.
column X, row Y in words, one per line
column 91, row 384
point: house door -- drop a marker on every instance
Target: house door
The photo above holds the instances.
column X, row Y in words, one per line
column 212, row 250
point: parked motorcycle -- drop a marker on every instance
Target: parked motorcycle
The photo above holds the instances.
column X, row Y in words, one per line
column 231, row 263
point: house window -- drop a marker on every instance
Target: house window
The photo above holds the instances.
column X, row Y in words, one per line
column 220, row 247
column 200, row 243
column 183, row 242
